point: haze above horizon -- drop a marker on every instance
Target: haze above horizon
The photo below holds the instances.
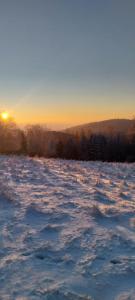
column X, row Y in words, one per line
column 67, row 62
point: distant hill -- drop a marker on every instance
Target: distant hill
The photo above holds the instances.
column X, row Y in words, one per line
column 106, row 127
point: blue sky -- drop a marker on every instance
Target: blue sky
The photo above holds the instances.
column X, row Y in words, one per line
column 67, row 62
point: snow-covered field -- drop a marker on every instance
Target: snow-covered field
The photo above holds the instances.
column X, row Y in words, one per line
column 67, row 230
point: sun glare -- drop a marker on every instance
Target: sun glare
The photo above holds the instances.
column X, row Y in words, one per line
column 5, row 115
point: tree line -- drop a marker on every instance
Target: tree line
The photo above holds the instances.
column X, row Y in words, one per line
column 36, row 140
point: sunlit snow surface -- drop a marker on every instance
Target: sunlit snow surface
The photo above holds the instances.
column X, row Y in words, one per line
column 67, row 230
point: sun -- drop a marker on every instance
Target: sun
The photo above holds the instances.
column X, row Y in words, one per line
column 5, row 115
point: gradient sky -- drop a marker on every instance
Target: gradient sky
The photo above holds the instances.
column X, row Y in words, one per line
column 67, row 61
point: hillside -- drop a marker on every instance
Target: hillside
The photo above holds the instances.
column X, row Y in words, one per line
column 107, row 126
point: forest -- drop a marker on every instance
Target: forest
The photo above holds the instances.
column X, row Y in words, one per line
column 36, row 140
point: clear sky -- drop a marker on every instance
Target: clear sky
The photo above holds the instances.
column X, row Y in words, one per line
column 67, row 61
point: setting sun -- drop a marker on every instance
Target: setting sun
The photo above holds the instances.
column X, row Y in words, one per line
column 5, row 115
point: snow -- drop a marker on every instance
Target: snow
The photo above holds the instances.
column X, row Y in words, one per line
column 67, row 230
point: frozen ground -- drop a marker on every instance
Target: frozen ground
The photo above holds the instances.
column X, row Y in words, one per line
column 67, row 230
